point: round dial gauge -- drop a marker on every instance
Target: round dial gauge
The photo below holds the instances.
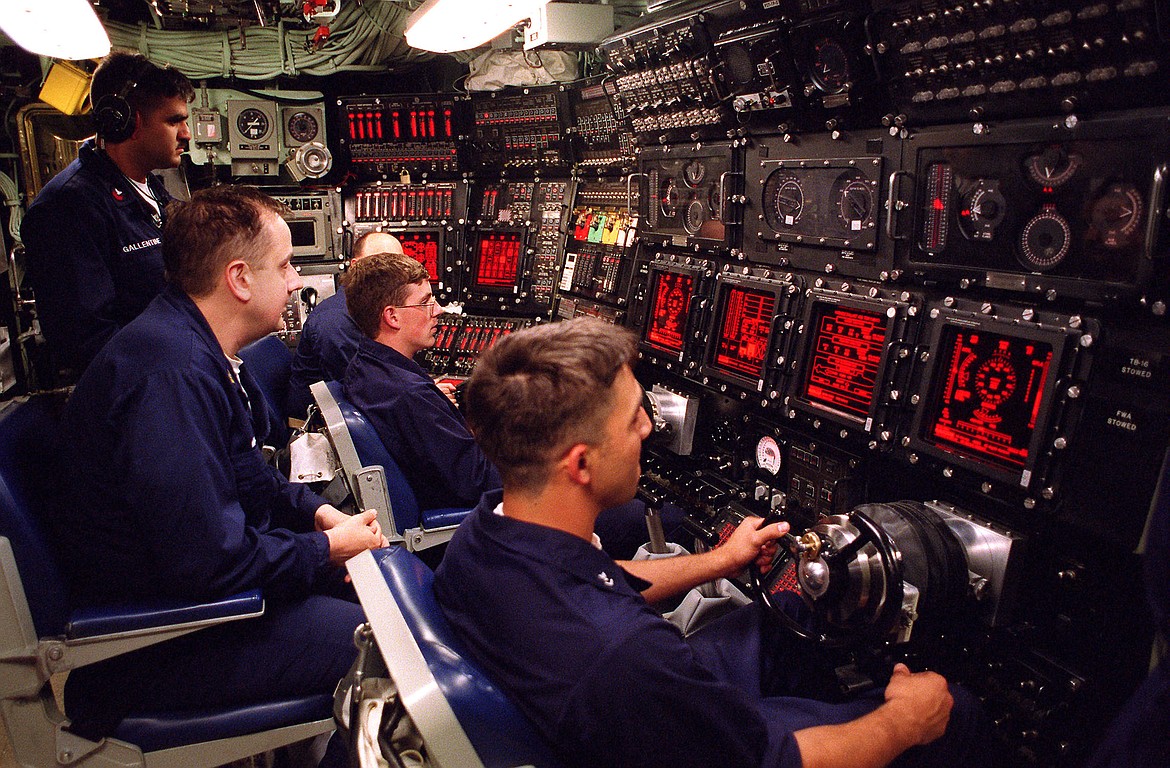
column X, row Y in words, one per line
column 1045, row 240
column 830, row 66
column 983, row 209
column 669, row 197
column 1116, row 216
column 253, row 124
column 768, row 455
column 1052, row 167
column 694, row 173
column 303, row 126
column 995, row 381
column 783, row 201
column 855, row 201
column 696, row 216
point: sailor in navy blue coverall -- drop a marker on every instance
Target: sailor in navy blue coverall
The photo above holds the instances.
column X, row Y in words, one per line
column 329, row 337
column 93, row 234
column 569, row 633
column 171, row 496
column 390, row 299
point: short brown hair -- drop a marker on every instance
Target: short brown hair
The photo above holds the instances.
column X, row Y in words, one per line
column 542, row 389
column 377, row 282
column 211, row 229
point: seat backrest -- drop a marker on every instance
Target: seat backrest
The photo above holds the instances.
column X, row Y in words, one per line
column 29, row 481
column 269, row 361
column 500, row 734
column 371, row 452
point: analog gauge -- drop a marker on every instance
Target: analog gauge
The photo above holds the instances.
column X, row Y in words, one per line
column 768, row 456
column 669, row 197
column 783, row 201
column 855, row 200
column 982, row 209
column 936, row 217
column 696, row 216
column 830, row 66
column 1045, row 240
column 303, row 127
column 694, row 173
column 1116, row 216
column 253, row 124
column 1052, row 167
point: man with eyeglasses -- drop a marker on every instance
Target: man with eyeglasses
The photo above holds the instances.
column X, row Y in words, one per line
column 389, row 298
column 330, row 338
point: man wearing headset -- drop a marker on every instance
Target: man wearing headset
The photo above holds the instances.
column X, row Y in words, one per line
column 93, row 235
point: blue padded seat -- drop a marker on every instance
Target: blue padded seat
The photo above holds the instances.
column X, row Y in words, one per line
column 29, row 482
column 501, row 735
column 163, row 730
column 371, row 452
column 269, row 360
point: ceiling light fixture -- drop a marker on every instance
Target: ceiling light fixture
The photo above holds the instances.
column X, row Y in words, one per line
column 61, row 29
column 445, row 26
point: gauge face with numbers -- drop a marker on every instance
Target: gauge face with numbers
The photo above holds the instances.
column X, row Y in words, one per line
column 253, row 124
column 303, row 127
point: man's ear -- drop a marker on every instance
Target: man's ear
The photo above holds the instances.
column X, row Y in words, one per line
column 575, row 465
column 390, row 318
column 238, row 276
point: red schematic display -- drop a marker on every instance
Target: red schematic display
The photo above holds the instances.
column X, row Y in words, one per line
column 670, row 300
column 845, row 358
column 986, row 396
column 424, row 248
column 497, row 259
column 745, row 324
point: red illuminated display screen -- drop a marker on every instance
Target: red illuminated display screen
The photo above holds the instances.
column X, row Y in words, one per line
column 845, row 358
column 987, row 395
column 669, row 302
column 424, row 248
column 745, row 321
column 497, row 260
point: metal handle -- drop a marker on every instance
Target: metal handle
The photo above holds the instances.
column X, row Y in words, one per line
column 723, row 193
column 892, row 205
column 629, row 181
column 1156, row 194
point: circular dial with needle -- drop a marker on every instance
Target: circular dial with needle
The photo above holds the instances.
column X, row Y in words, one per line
column 855, row 200
column 253, row 124
column 784, row 198
column 1116, row 216
column 1052, row 167
column 982, row 210
column 303, row 126
column 1045, row 239
column 830, row 66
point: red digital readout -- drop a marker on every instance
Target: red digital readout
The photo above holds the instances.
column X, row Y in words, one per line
column 498, row 260
column 423, row 247
column 846, row 356
column 669, row 301
column 986, row 399
column 745, row 324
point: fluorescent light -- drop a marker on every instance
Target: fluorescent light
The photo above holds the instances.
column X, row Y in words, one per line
column 444, row 26
column 61, row 29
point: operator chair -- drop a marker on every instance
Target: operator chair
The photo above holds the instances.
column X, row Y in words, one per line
column 465, row 720
column 374, row 477
column 41, row 635
column 269, row 361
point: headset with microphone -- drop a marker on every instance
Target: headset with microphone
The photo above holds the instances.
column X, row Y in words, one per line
column 113, row 113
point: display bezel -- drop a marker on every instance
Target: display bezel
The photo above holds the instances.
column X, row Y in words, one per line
column 928, row 405
column 520, row 237
column 725, row 285
column 655, row 273
column 811, row 315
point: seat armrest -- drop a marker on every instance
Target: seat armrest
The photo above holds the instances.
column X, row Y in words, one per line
column 129, row 619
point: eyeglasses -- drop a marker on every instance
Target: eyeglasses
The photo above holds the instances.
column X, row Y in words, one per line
column 430, row 305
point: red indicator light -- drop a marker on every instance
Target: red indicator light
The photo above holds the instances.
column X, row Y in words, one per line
column 937, row 204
